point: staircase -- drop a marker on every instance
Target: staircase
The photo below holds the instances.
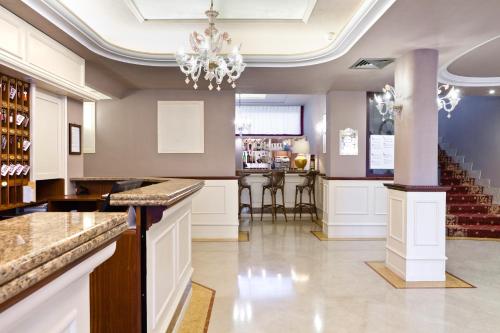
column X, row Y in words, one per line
column 470, row 211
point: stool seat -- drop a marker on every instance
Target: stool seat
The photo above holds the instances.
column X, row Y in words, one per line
column 276, row 181
column 309, row 186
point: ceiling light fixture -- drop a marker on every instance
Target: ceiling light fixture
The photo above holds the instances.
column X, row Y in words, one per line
column 492, row 92
column 206, row 56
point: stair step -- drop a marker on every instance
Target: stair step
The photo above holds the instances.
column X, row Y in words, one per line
column 468, row 198
column 486, row 182
column 479, row 231
column 466, row 189
column 473, row 219
column 467, row 208
column 475, row 174
column 467, row 166
column 451, row 152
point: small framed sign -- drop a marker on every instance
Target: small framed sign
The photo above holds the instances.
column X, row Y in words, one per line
column 75, row 139
column 348, row 142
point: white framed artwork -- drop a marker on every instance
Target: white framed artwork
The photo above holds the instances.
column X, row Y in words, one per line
column 181, row 127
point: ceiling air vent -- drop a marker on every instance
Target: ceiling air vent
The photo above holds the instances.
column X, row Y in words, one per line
column 372, row 63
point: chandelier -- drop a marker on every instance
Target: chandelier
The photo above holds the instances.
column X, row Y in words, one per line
column 207, row 56
column 448, row 98
column 389, row 103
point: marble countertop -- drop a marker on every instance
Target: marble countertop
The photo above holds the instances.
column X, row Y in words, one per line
column 117, row 179
column 164, row 194
column 35, row 245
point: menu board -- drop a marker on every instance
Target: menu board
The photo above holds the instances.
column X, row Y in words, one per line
column 382, row 152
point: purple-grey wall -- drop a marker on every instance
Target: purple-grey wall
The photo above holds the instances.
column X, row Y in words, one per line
column 474, row 129
column 126, row 137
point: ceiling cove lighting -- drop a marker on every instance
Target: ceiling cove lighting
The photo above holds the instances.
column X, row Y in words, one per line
column 389, row 102
column 206, row 56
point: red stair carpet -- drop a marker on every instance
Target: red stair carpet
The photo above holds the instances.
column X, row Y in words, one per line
column 470, row 212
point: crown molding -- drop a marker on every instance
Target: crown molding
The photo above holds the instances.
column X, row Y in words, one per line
column 364, row 18
column 445, row 76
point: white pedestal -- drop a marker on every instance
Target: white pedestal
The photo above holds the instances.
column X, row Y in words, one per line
column 416, row 235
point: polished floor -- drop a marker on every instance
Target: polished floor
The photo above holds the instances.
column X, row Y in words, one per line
column 286, row 280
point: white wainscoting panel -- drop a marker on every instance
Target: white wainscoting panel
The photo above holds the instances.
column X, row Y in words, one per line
column 355, row 208
column 351, row 200
column 168, row 263
column 215, row 210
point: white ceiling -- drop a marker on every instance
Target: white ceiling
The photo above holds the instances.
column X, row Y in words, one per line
column 273, row 99
column 228, row 9
column 455, row 28
column 271, row 33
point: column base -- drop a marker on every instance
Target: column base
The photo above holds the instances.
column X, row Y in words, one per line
column 416, row 269
column 416, row 233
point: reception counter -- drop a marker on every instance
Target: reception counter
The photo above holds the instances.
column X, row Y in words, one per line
column 146, row 284
column 45, row 262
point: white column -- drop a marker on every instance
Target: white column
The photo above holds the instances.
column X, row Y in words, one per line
column 416, row 235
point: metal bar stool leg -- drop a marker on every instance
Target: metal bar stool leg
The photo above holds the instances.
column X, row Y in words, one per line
column 300, row 206
column 314, row 202
column 251, row 205
column 273, row 205
column 295, row 204
column 239, row 201
column 283, row 202
column 262, row 205
column 310, row 205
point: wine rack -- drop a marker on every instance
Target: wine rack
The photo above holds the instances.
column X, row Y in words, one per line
column 15, row 141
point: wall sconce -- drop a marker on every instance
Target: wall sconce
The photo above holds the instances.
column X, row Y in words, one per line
column 242, row 126
column 321, row 126
column 388, row 103
column 448, row 98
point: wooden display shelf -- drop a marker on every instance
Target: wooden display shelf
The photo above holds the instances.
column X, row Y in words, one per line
column 15, row 102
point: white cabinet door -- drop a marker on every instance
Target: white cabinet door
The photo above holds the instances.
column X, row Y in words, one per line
column 49, row 136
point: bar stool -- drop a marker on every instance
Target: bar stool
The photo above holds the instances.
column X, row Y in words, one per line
column 242, row 184
column 308, row 185
column 275, row 182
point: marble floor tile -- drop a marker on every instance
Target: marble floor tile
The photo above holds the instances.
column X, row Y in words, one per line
column 286, row 280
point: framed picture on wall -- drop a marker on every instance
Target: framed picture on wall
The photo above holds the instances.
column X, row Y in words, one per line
column 75, row 139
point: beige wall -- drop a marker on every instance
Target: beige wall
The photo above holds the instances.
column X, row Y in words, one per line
column 345, row 109
column 75, row 162
column 126, row 137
